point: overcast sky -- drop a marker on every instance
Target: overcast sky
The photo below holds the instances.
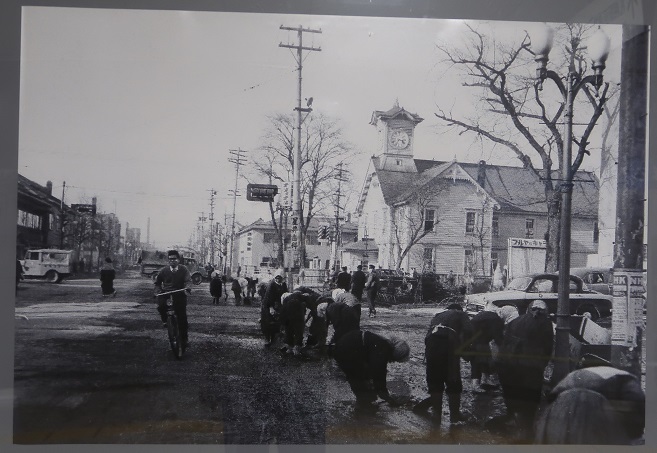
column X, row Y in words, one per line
column 141, row 108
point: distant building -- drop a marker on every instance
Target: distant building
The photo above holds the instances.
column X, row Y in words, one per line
column 257, row 244
column 39, row 217
column 464, row 212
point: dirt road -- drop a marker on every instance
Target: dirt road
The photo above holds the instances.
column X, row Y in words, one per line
column 93, row 370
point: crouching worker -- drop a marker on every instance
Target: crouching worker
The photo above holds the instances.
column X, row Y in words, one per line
column 293, row 312
column 363, row 356
column 448, row 338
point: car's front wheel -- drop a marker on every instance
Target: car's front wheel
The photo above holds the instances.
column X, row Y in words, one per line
column 53, row 276
column 196, row 279
column 589, row 311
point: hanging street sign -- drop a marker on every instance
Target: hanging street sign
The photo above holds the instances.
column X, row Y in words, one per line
column 261, row 192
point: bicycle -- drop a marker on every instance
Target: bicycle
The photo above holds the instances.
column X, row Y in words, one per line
column 173, row 328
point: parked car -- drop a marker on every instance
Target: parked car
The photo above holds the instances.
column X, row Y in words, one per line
column 521, row 291
column 596, row 278
column 52, row 265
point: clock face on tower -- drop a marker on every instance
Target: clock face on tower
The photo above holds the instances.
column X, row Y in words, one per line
column 399, row 139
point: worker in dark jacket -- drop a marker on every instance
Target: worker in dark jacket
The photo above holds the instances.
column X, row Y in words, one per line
column 292, row 316
column 343, row 280
column 236, row 288
column 488, row 326
column 363, row 357
column 341, row 296
column 358, row 280
column 448, row 338
column 343, row 318
column 271, row 305
column 525, row 352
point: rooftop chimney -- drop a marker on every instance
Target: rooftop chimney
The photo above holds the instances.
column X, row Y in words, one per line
column 481, row 173
column 49, row 187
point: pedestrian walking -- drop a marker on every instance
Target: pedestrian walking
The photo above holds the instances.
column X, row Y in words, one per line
column 173, row 277
column 270, row 308
column 448, row 338
column 525, row 352
column 215, row 287
column 107, row 276
column 236, row 288
column 363, row 356
column 576, row 415
column 251, row 283
column 372, row 287
column 487, row 327
column 19, row 273
column 343, row 280
column 358, row 280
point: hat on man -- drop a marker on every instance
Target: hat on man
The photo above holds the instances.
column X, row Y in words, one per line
column 337, row 291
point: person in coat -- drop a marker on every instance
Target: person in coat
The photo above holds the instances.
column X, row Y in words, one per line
column 341, row 296
column 318, row 329
column 343, row 280
column 358, row 280
column 448, row 338
column 599, row 404
column 107, row 276
column 19, row 272
column 488, row 326
column 525, row 352
column 174, row 277
column 216, row 285
column 292, row 317
column 372, row 287
column 270, row 307
column 342, row 317
column 236, row 288
column 363, row 356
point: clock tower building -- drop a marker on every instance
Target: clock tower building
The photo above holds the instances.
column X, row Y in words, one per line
column 396, row 129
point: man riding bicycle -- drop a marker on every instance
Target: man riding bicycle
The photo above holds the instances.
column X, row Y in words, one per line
column 171, row 278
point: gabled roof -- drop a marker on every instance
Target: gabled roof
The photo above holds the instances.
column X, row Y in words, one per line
column 361, row 246
column 520, row 189
column 315, row 222
column 516, row 189
column 394, row 112
column 37, row 193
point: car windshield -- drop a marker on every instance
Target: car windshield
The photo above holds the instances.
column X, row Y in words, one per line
column 520, row 283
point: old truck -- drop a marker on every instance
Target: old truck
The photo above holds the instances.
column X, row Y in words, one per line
column 152, row 260
column 52, row 265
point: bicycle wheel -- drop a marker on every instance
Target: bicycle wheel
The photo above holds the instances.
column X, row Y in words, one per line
column 174, row 336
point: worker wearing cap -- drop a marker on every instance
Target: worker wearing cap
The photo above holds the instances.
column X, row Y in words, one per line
column 525, row 352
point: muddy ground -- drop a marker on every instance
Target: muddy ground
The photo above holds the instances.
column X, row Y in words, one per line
column 95, row 370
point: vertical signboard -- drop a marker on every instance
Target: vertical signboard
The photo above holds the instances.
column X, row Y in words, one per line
column 526, row 256
column 628, row 295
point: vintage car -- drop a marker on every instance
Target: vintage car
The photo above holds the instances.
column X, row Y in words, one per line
column 596, row 278
column 521, row 291
column 53, row 265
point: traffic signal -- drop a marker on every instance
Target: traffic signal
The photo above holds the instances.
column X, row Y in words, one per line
column 323, row 232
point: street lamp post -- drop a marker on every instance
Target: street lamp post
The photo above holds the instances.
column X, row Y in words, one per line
column 598, row 49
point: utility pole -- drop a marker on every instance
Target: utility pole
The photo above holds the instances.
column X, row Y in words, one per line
column 212, row 194
column 335, row 242
column 296, row 216
column 61, row 218
column 238, row 159
column 627, row 323
column 202, row 220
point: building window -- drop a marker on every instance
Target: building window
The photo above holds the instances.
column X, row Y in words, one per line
column 496, row 225
column 596, row 233
column 311, row 239
column 429, row 219
column 268, row 238
column 29, row 220
column 467, row 261
column 427, row 259
column 529, row 228
column 470, row 218
column 493, row 262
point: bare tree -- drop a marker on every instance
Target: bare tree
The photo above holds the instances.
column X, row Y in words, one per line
column 480, row 238
column 516, row 114
column 415, row 217
column 323, row 147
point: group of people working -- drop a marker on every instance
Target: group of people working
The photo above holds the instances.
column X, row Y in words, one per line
column 595, row 404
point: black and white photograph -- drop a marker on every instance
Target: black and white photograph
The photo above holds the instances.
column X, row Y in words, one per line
column 261, row 228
